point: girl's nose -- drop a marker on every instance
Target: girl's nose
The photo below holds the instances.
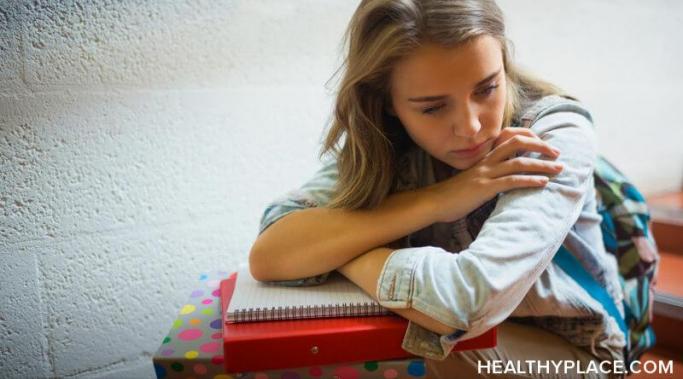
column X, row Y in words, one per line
column 466, row 123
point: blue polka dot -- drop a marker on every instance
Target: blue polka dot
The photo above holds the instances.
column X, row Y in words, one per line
column 416, row 368
column 216, row 324
column 160, row 370
column 203, row 277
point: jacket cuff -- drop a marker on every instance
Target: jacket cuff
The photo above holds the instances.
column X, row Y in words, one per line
column 395, row 284
column 428, row 344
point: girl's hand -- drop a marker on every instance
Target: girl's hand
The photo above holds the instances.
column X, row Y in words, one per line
column 499, row 171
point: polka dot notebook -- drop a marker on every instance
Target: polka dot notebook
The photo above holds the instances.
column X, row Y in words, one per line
column 193, row 347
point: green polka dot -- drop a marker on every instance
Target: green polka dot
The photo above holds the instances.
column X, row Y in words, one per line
column 371, row 366
column 167, row 339
column 207, row 311
column 177, row 366
column 177, row 323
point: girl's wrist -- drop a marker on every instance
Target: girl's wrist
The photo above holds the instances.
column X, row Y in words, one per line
column 430, row 204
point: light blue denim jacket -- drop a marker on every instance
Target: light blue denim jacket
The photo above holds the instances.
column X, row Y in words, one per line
column 507, row 271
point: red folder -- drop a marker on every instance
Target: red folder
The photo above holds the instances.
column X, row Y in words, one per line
column 272, row 345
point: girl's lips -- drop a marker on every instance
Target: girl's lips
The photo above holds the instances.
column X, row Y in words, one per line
column 469, row 152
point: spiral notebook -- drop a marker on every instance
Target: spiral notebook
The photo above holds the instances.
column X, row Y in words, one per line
column 253, row 300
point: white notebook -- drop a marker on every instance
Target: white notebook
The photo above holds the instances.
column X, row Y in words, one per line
column 336, row 297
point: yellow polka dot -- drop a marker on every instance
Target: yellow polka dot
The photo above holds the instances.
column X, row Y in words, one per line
column 223, row 376
column 189, row 308
column 207, row 311
column 195, row 321
column 191, row 354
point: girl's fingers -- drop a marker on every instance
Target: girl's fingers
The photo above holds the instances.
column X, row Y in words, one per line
column 507, row 133
column 521, row 143
column 510, row 182
column 522, row 165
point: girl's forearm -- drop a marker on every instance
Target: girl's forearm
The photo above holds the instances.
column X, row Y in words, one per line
column 313, row 241
column 365, row 270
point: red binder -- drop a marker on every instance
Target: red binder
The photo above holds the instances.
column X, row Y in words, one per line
column 271, row 345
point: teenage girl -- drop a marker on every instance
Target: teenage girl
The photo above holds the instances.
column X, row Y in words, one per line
column 453, row 179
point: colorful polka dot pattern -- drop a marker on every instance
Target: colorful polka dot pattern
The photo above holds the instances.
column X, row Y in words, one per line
column 193, row 348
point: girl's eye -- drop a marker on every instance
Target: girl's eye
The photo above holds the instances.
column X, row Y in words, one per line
column 431, row 110
column 488, row 90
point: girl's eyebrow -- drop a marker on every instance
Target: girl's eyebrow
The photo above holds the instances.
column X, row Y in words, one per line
column 439, row 97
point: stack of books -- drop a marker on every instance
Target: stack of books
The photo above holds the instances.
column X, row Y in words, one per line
column 269, row 326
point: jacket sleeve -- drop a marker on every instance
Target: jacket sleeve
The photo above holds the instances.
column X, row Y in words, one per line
column 316, row 192
column 481, row 286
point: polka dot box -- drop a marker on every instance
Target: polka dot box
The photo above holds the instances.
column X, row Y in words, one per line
column 193, row 348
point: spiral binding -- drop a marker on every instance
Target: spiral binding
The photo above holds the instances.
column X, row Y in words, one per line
column 307, row 312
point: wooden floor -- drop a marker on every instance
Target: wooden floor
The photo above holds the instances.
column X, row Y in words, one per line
column 667, row 225
column 668, row 199
column 670, row 278
column 661, row 355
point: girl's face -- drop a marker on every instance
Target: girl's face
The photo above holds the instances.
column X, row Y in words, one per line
column 451, row 100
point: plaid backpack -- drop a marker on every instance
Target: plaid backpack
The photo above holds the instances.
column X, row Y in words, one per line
column 626, row 234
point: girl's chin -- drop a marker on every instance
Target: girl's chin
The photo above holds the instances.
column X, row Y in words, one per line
column 463, row 162
column 463, row 165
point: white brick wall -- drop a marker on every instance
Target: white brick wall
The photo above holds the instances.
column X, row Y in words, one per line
column 134, row 139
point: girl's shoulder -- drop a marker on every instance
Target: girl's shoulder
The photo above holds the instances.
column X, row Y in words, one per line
column 534, row 110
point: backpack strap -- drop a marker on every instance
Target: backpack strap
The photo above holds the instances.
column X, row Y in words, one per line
column 569, row 264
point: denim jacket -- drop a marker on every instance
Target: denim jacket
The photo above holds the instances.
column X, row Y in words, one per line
column 472, row 280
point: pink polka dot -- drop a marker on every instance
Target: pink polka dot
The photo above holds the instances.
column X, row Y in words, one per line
column 217, row 359
column 216, row 293
column 315, row 371
column 209, row 347
column 199, row 369
column 207, row 301
column 167, row 352
column 347, row 372
column 216, row 336
column 390, row 374
column 190, row 334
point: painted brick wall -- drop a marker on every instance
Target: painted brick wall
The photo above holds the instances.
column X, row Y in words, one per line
column 140, row 142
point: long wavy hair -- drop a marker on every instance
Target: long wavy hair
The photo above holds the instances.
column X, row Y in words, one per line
column 380, row 33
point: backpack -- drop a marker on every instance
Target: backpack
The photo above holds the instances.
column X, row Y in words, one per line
column 626, row 234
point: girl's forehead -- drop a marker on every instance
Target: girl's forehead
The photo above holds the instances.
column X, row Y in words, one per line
column 432, row 65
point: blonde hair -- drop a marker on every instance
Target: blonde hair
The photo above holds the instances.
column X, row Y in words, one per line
column 380, row 33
